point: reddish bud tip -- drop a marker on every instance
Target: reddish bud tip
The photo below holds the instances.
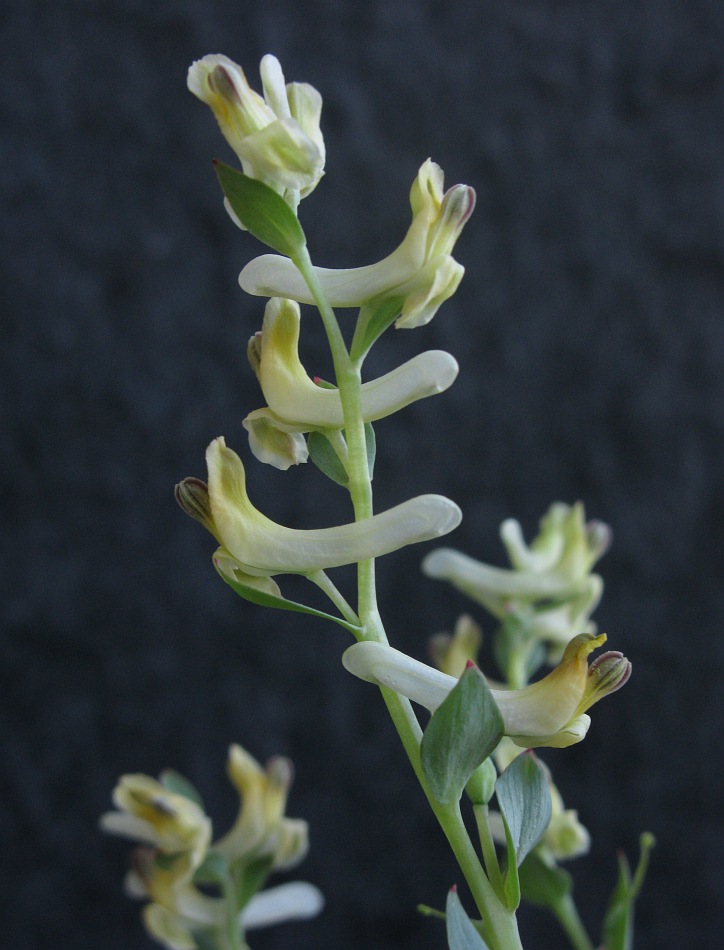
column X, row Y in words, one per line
column 469, row 665
column 454, row 889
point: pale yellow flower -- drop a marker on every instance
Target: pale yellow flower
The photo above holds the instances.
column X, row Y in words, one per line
column 276, row 137
column 550, row 712
column 296, row 404
column 261, row 547
column 421, row 272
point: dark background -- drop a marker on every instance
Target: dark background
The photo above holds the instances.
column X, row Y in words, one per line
column 589, row 333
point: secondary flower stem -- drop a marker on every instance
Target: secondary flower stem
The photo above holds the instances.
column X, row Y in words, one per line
column 570, row 921
column 324, row 583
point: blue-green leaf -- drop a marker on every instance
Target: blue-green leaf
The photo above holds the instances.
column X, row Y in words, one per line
column 525, row 804
column 461, row 734
column 264, row 599
column 461, row 933
column 261, row 210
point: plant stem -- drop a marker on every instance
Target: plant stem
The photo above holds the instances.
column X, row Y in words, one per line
column 499, row 922
column 325, row 584
column 570, row 921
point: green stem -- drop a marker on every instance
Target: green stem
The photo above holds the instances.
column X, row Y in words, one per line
column 233, row 927
column 499, row 922
column 325, row 583
column 570, row 921
column 487, row 845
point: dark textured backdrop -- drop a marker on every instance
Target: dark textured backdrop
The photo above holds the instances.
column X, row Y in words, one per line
column 589, row 334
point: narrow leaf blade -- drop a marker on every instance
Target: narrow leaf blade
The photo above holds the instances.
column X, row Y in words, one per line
column 525, row 803
column 261, row 210
column 461, row 734
column 326, row 459
column 255, row 596
column 461, row 933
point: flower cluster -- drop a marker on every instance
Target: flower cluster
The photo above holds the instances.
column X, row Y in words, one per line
column 549, row 593
column 177, row 854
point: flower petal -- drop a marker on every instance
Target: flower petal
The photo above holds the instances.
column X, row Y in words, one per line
column 294, row 901
column 546, row 713
column 263, row 547
column 297, row 401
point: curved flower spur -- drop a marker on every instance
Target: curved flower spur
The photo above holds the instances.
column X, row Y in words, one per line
column 296, row 404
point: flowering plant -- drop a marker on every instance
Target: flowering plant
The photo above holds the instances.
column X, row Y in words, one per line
column 476, row 742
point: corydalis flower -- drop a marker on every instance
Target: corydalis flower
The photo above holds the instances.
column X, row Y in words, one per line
column 277, row 138
column 261, row 830
column 550, row 712
column 178, row 913
column 550, row 586
column 421, row 273
column 260, row 547
column 148, row 811
column 296, row 404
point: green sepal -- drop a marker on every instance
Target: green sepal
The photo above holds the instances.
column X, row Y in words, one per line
column 256, row 596
column 261, row 210
column 618, row 922
column 374, row 318
column 214, row 869
column 461, row 734
column 461, row 932
column 524, row 799
column 543, row 884
column 176, row 783
column 322, row 453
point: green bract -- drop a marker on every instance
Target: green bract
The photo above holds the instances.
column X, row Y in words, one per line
column 461, row 734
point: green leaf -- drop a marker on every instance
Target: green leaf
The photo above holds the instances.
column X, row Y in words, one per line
column 618, row 922
column 261, row 210
column 251, row 879
column 214, row 869
column 256, row 596
column 461, row 734
column 461, row 933
column 176, row 783
column 525, row 804
column 543, row 884
column 322, row 453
